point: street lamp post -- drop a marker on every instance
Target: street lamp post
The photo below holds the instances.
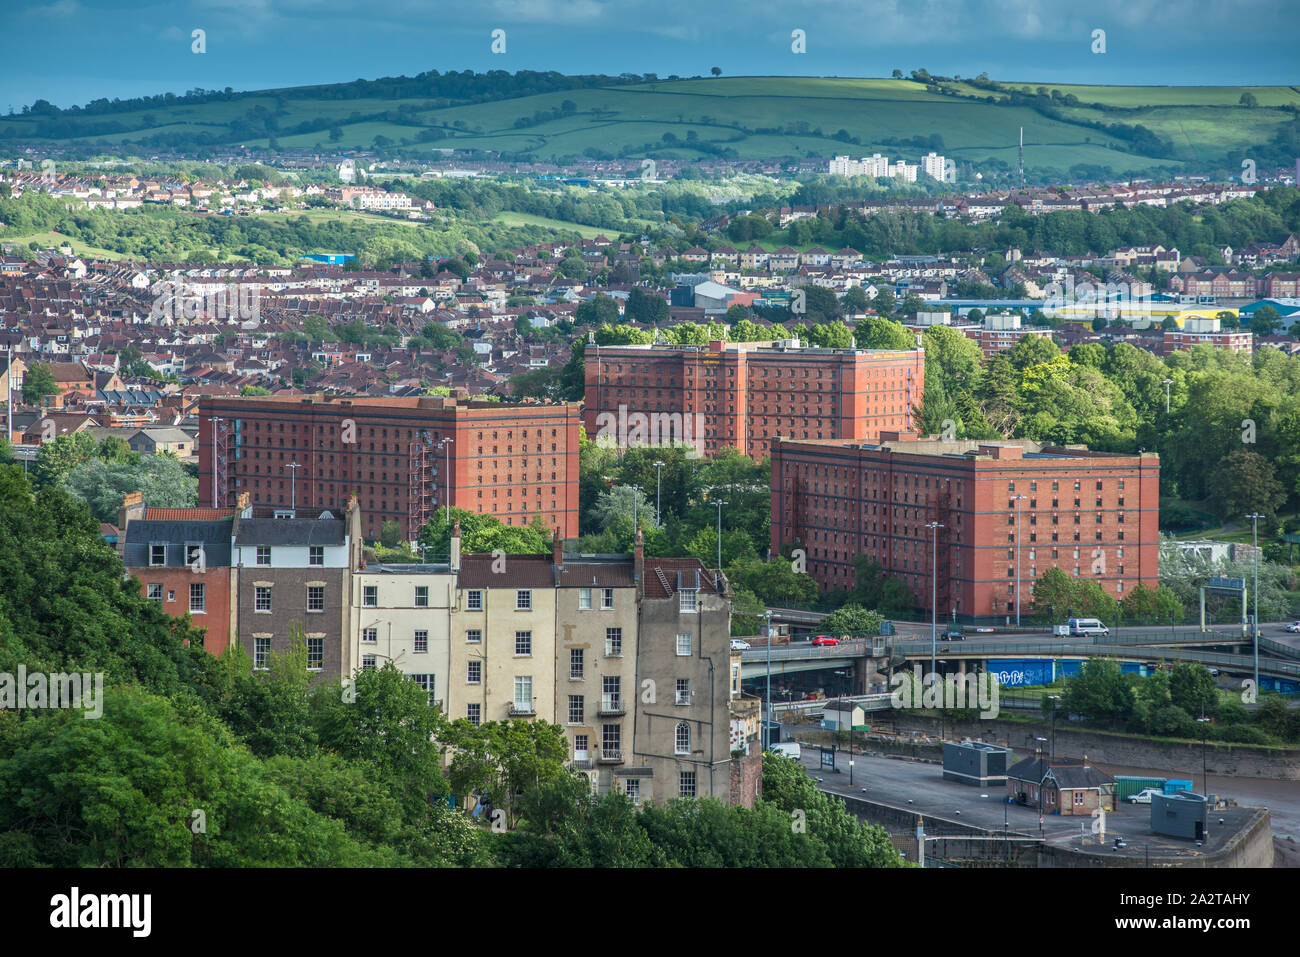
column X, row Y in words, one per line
column 934, row 592
column 445, row 442
column 1017, row 499
column 720, row 504
column 293, row 485
column 767, row 724
column 1042, row 776
column 636, row 491
column 1254, row 617
column 1168, row 383
column 658, row 484
column 1052, row 751
column 1205, row 774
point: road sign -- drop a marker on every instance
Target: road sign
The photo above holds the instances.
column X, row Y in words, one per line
column 1226, row 584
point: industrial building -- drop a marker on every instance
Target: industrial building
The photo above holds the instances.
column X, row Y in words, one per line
column 403, row 458
column 1007, row 511
column 745, row 394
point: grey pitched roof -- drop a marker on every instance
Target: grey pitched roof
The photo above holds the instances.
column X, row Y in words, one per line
column 290, row 531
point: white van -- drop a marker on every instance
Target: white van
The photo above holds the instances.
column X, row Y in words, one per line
column 790, row 749
column 1087, row 627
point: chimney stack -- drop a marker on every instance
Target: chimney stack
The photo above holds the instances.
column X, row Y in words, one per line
column 455, row 547
column 557, row 550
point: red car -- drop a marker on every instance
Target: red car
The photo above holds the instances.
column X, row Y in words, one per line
column 825, row 640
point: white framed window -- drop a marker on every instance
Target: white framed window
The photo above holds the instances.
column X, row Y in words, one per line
column 198, row 598
column 194, row 555
column 369, row 596
column 474, row 672
column 523, row 644
column 421, row 641
column 607, row 598
column 613, row 642
column 368, row 662
column 262, row 599
column 157, row 554
column 577, row 709
column 474, row 712
column 474, row 636
column 632, row 788
column 155, row 592
column 611, row 740
column 421, row 596
column 315, row 597
column 611, row 694
column 523, row 599
column 474, row 600
column 683, row 645
column 584, row 599
column 688, row 601
column 682, row 738
column 580, row 747
column 523, row 692
column 315, row 654
column 577, row 663
column 263, row 554
column 426, row 682
column 684, row 691
column 686, row 784
column 261, row 651
column 369, row 636
column 315, row 554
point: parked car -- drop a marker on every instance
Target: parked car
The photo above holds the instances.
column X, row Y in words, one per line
column 951, row 635
column 1144, row 796
column 1294, row 628
column 825, row 640
column 738, row 645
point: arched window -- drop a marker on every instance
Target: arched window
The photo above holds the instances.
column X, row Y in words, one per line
column 682, row 744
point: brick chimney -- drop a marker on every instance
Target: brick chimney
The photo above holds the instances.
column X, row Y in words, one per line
column 557, row 551
column 131, row 510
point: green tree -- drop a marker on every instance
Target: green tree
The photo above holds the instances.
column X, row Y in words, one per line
column 38, row 381
column 1192, row 688
column 1099, row 692
column 852, row 618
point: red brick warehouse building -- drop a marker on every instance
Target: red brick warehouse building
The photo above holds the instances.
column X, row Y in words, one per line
column 1091, row 514
column 512, row 461
column 745, row 394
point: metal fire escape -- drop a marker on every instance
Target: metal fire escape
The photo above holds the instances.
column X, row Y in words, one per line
column 225, row 450
column 422, row 484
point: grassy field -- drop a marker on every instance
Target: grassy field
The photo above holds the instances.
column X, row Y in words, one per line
column 52, row 240
column 756, row 117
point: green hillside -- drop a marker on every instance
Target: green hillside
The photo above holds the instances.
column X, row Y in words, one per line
column 739, row 117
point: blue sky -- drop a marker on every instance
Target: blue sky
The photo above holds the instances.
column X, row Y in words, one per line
column 72, row 51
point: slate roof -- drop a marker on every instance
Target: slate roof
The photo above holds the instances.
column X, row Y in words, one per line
column 290, row 531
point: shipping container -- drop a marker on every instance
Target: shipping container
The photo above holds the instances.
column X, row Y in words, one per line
column 1126, row 787
column 1177, row 784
